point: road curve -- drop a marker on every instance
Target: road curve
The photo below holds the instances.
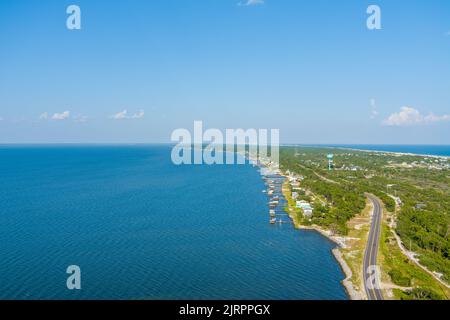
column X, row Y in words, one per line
column 370, row 255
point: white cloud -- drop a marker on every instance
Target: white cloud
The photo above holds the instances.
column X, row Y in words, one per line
column 251, row 3
column 138, row 115
column 409, row 117
column 61, row 116
column 43, row 116
column 373, row 111
column 433, row 118
column 122, row 115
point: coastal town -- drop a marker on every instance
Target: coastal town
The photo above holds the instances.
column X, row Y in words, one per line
column 297, row 194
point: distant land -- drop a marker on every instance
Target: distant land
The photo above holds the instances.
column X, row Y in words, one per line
column 433, row 150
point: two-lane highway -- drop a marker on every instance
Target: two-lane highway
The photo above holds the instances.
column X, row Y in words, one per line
column 370, row 257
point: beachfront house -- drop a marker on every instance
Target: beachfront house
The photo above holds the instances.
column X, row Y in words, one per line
column 295, row 184
column 308, row 212
column 306, row 207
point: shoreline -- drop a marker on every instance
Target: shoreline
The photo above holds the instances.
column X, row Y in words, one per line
column 395, row 153
column 350, row 291
column 352, row 294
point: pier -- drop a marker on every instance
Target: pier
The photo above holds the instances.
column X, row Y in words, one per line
column 277, row 202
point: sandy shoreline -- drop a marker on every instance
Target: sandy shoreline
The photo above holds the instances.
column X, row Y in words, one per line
column 399, row 154
column 396, row 153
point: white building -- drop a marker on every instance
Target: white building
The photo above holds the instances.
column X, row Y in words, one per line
column 295, row 184
column 306, row 207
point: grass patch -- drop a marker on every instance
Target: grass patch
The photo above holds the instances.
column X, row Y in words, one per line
column 405, row 273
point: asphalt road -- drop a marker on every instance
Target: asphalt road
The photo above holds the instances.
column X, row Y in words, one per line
column 370, row 255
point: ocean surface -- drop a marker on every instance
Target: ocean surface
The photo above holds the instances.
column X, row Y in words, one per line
column 435, row 150
column 140, row 227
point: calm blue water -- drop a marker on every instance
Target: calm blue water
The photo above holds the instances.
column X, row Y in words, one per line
column 436, row 150
column 142, row 228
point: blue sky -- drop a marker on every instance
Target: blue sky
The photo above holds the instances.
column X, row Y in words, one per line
column 310, row 68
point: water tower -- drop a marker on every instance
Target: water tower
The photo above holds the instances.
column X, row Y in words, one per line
column 330, row 161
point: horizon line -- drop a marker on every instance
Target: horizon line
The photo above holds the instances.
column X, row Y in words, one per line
column 174, row 143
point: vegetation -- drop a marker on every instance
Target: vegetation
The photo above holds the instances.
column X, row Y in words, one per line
column 405, row 273
column 421, row 185
column 421, row 294
column 399, row 278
